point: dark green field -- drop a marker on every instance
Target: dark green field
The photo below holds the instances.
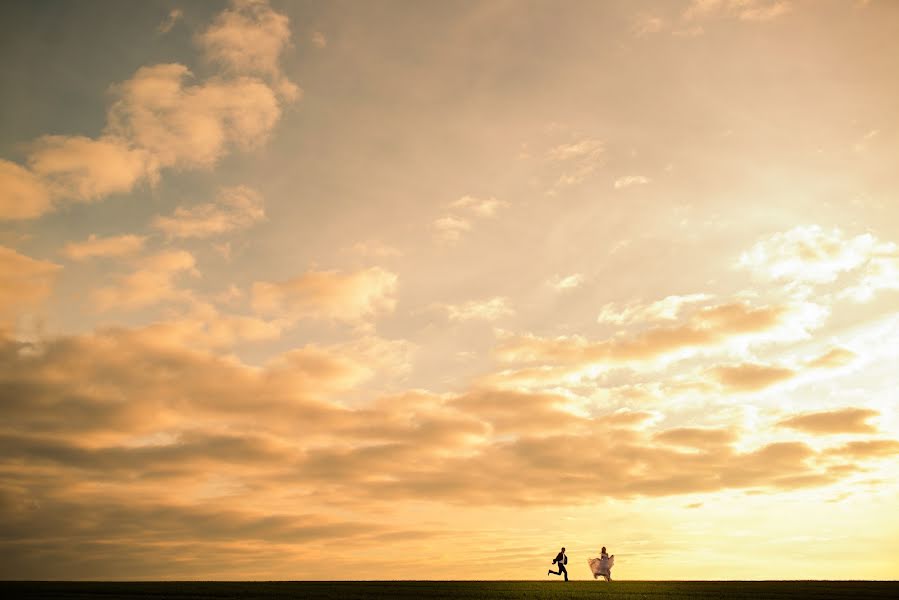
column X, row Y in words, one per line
column 532, row 590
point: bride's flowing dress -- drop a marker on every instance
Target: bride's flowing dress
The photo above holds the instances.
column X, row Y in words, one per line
column 602, row 566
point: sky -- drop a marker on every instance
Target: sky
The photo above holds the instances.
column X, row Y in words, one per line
column 405, row 290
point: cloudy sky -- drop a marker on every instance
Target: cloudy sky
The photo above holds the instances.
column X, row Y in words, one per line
column 427, row 290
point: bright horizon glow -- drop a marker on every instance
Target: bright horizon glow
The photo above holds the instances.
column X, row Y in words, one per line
column 414, row 291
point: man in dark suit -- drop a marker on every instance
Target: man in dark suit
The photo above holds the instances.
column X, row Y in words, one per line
column 561, row 559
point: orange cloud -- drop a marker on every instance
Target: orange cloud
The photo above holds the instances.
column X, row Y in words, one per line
column 151, row 283
column 235, row 208
column 750, row 377
column 93, row 246
column 867, row 449
column 85, row 169
column 846, row 420
column 705, row 327
column 832, row 359
column 159, row 121
column 22, row 194
column 696, row 437
column 24, row 282
column 351, row 297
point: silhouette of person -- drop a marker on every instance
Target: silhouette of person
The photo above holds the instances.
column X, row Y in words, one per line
column 561, row 559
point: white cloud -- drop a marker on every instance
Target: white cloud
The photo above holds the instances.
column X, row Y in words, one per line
column 569, row 282
column 487, row 310
column 577, row 160
column 235, row 208
column 630, row 180
column 811, row 255
column 666, row 309
column 481, row 207
column 449, row 228
column 93, row 246
column 744, row 10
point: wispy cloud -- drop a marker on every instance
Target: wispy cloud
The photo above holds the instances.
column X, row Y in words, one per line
column 175, row 15
column 630, row 180
column 94, row 246
column 235, row 208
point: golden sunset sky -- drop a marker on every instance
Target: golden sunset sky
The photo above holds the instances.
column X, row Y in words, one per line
column 426, row 290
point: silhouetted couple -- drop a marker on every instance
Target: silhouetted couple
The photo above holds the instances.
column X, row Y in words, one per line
column 561, row 559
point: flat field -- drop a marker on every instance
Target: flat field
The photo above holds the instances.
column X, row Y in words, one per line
column 506, row 590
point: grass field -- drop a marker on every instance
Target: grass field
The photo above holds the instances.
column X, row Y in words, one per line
column 507, row 590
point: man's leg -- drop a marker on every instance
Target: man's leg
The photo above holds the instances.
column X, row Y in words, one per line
column 562, row 569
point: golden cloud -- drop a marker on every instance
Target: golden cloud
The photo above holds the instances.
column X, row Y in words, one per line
column 846, row 420
column 235, row 208
column 24, row 282
column 22, row 194
column 93, row 246
column 750, row 377
column 153, row 282
column 351, row 297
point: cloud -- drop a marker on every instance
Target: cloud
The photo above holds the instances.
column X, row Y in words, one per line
column 22, row 194
column 480, row 207
column 577, row 161
column 449, row 229
column 204, row 326
column 568, row 282
column 866, row 449
column 666, row 309
column 488, row 310
column 150, row 435
column 696, row 437
column 234, row 208
column 247, row 38
column 93, row 246
column 706, row 327
column 373, row 249
column 744, row 10
column 645, row 24
column 815, row 256
column 832, row 359
column 318, row 39
column 175, row 15
column 160, row 119
column 24, row 283
column 83, row 169
column 191, row 126
column 750, row 377
column 631, row 180
column 846, row 420
column 151, row 283
column 350, row 297
column 103, row 419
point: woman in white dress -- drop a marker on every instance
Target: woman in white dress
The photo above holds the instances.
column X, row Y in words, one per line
column 602, row 566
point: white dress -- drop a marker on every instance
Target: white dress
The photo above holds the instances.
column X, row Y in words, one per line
column 602, row 566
